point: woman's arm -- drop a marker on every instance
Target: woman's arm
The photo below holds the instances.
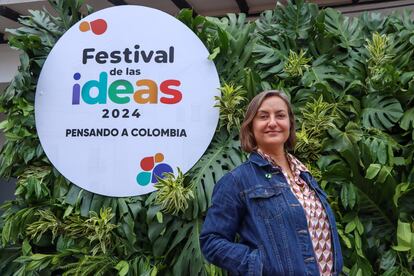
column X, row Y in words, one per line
column 220, row 227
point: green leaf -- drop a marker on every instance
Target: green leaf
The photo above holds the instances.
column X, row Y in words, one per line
column 380, row 112
column 372, row 171
column 348, row 195
column 214, row 54
column 401, row 248
column 86, row 203
column 26, row 248
column 321, row 74
column 407, row 120
column 404, row 235
column 345, row 239
column 359, row 226
column 388, row 260
column 295, row 20
column 122, row 267
column 223, row 154
column 350, row 226
column 371, row 210
column 4, row 124
column 400, row 190
column 231, row 44
column 190, row 260
column 346, row 29
column 154, row 227
column 406, row 77
column 345, row 143
column 38, row 257
column 384, row 173
column 344, row 195
column 352, row 196
column 358, row 244
column 159, row 217
column 393, row 271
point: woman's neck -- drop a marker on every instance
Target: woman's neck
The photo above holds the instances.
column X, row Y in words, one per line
column 278, row 155
column 280, row 158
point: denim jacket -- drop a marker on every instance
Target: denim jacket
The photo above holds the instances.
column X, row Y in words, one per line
column 255, row 202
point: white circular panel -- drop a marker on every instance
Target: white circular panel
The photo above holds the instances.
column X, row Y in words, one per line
column 124, row 96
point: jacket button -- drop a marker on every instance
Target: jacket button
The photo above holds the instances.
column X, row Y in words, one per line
column 303, row 231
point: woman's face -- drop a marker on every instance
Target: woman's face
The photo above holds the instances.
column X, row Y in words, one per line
column 271, row 124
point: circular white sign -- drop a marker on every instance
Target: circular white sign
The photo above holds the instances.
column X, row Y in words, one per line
column 126, row 95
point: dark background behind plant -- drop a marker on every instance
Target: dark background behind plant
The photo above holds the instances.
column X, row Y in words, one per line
column 351, row 82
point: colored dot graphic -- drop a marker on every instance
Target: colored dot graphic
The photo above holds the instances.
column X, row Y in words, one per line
column 151, row 171
column 97, row 26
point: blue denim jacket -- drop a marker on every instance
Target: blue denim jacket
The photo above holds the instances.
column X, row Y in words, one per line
column 255, row 202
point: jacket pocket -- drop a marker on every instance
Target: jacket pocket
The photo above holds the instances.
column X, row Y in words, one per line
column 255, row 264
column 267, row 202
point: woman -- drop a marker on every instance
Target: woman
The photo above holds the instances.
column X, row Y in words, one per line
column 282, row 217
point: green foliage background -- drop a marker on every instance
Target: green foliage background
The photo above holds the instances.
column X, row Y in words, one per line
column 351, row 82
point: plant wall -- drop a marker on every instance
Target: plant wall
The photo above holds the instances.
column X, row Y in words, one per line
column 351, row 82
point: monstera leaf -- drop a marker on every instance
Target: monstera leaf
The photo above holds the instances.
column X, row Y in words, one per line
column 223, row 155
column 371, row 210
column 295, row 21
column 347, row 30
column 231, row 45
column 345, row 143
column 380, row 111
column 322, row 74
column 407, row 121
column 191, row 261
column 177, row 241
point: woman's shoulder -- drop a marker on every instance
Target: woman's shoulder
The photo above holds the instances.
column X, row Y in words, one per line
column 237, row 175
column 241, row 169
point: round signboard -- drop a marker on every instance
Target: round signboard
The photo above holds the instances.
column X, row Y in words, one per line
column 126, row 95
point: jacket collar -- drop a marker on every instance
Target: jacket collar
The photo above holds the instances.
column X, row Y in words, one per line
column 257, row 159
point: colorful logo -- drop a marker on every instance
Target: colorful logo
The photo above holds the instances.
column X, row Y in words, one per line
column 152, row 171
column 97, row 26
